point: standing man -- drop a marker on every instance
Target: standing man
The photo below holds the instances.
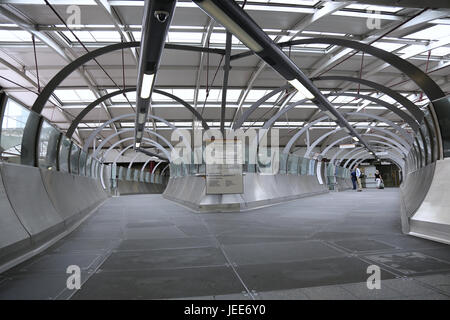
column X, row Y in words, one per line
column 378, row 179
column 358, row 178
column 353, row 176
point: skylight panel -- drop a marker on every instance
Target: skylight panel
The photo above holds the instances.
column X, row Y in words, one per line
column 184, row 37
column 374, row 8
column 85, row 95
column 221, row 38
column 255, row 95
column 412, row 49
column 15, row 36
column 368, row 14
column 388, row 46
column 160, row 97
column 67, row 95
column 120, row 98
column 442, row 51
column 82, row 35
column 280, row 8
column 432, row 33
column 185, row 94
column 341, row 99
column 388, row 99
column 137, row 35
column 106, row 36
column 212, row 97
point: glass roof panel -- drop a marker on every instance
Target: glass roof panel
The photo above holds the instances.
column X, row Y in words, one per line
column 184, row 37
column 432, row 33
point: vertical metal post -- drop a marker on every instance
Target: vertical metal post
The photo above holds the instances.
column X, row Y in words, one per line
column 226, row 70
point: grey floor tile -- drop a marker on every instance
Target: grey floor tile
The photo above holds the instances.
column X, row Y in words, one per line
column 163, row 259
column 274, row 252
column 290, row 294
column 361, row 245
column 410, row 262
column 166, row 243
column 320, row 272
column 361, row 291
column 328, row 293
column 408, row 287
column 160, row 284
column 438, row 281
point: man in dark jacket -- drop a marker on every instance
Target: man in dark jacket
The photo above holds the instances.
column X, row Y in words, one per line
column 353, row 175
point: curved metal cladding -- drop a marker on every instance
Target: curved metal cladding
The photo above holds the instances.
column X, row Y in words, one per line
column 40, row 204
column 425, row 207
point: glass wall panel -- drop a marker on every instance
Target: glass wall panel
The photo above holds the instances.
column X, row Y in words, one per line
column 15, row 117
column 48, row 146
column 83, row 158
column 64, row 150
column 88, row 166
column 74, row 159
column 292, row 165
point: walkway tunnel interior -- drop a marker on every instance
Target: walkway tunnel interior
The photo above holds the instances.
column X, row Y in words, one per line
column 239, row 150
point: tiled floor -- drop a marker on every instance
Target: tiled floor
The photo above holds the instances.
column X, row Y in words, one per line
column 145, row 247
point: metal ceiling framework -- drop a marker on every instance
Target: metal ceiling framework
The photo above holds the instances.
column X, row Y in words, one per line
column 305, row 22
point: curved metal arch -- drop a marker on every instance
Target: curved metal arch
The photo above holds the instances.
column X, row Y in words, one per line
column 402, row 114
column 269, row 122
column 399, row 129
column 390, row 133
column 396, row 110
column 297, row 135
column 154, row 168
column 92, row 105
column 75, row 64
column 150, row 141
column 132, row 160
column 348, row 155
column 423, row 81
column 389, row 145
column 163, row 170
column 237, row 124
column 345, row 155
column 319, row 139
column 362, row 159
column 389, row 122
column 393, row 142
column 396, row 161
column 332, row 160
column 325, row 151
column 353, row 157
column 281, row 112
column 187, row 105
column 100, row 146
column 408, row 104
column 92, row 136
column 351, row 165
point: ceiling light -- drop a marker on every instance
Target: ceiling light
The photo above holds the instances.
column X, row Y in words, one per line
column 301, row 89
column 355, row 138
column 215, row 12
column 347, row 146
column 138, row 145
column 147, row 84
